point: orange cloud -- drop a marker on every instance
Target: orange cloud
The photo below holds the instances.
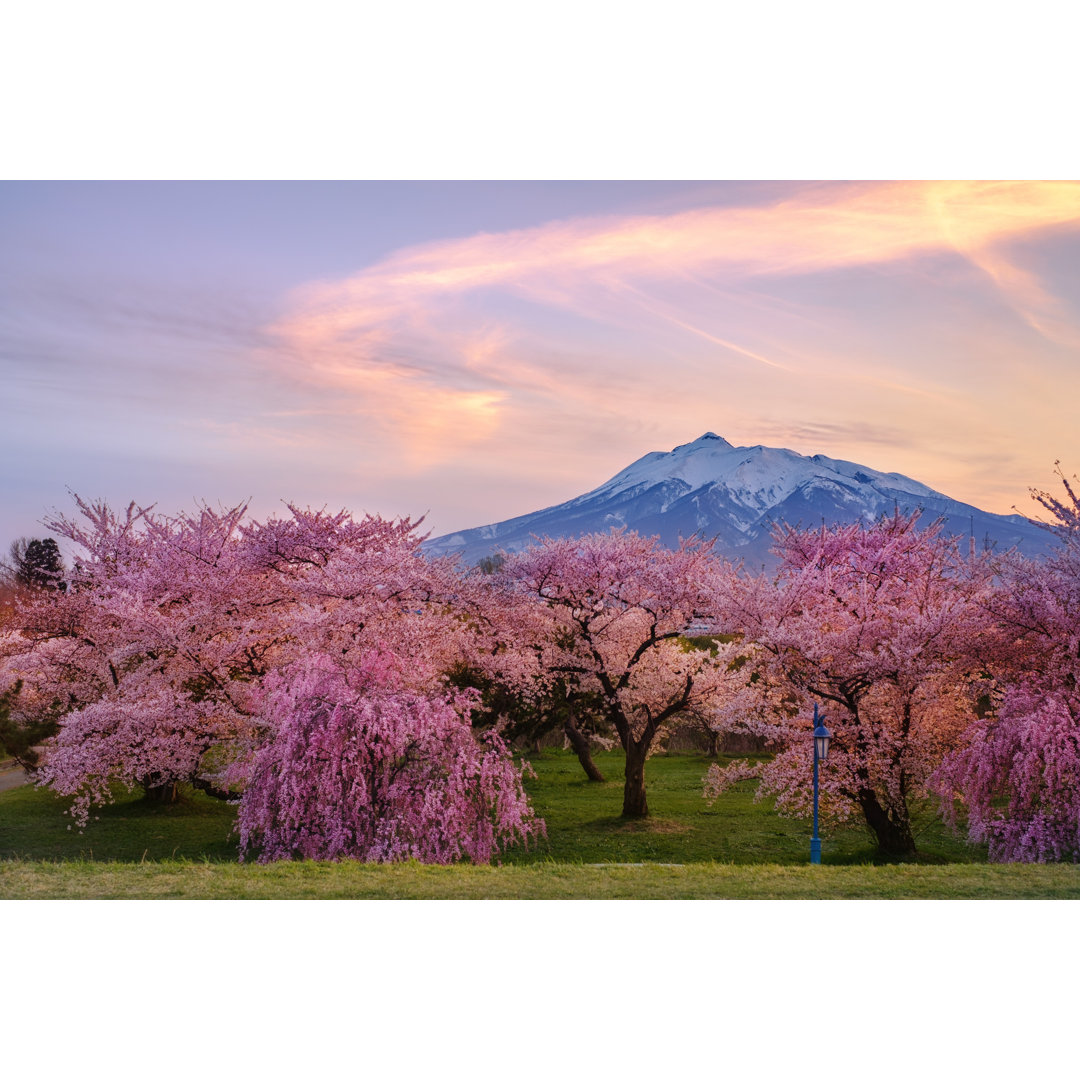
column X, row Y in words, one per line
column 840, row 226
column 411, row 344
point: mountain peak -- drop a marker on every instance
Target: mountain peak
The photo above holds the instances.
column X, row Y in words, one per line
column 708, row 437
column 735, row 494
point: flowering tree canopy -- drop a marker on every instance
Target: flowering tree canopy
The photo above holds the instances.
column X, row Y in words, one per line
column 150, row 654
column 881, row 623
column 359, row 766
column 605, row 614
column 1017, row 774
column 154, row 662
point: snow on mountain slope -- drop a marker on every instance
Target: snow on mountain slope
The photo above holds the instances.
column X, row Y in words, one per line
column 757, row 476
column 736, row 494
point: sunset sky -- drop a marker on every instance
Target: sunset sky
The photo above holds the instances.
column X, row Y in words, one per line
column 473, row 351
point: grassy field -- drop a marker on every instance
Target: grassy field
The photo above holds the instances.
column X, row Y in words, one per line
column 735, row 848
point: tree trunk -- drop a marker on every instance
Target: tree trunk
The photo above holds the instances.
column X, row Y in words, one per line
column 214, row 792
column 714, row 743
column 580, row 744
column 161, row 793
column 634, row 802
column 893, row 831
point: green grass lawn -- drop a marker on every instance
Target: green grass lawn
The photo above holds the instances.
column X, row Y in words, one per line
column 584, row 825
column 733, row 848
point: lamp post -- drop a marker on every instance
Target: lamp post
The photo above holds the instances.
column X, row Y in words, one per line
column 822, row 735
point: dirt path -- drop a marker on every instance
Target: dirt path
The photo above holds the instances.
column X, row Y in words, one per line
column 11, row 776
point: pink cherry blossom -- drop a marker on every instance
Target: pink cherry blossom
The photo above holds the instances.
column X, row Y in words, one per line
column 167, row 658
column 1016, row 776
column 359, row 766
column 884, row 626
column 605, row 614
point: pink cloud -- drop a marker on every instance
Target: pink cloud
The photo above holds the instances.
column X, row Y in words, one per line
column 607, row 329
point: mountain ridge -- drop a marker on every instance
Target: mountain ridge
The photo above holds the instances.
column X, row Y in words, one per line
column 735, row 494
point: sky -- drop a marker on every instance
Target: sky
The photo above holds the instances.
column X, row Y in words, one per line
column 471, row 351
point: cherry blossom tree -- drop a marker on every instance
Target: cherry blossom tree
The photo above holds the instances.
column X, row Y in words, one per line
column 604, row 615
column 147, row 657
column 882, row 624
column 154, row 662
column 1016, row 778
column 360, row 766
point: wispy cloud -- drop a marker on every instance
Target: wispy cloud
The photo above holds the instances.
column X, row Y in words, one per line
column 825, row 228
column 368, row 318
column 921, row 328
column 459, row 343
column 823, row 435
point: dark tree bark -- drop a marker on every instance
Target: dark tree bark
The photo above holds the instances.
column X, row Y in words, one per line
column 714, row 742
column 891, row 825
column 161, row 793
column 580, row 744
column 892, row 830
column 635, row 805
column 215, row 792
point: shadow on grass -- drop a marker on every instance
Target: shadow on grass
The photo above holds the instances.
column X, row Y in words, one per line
column 34, row 825
column 583, row 822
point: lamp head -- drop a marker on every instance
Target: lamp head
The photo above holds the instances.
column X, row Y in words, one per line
column 822, row 735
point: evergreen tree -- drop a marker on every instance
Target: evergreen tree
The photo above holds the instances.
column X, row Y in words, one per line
column 36, row 564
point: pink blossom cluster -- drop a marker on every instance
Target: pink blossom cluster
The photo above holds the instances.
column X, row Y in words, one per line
column 606, row 614
column 164, row 658
column 360, row 766
column 884, row 625
column 1015, row 778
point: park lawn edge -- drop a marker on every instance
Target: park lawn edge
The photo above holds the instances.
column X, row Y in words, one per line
column 689, row 848
column 183, row 879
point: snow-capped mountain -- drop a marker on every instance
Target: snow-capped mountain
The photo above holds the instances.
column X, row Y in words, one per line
column 735, row 494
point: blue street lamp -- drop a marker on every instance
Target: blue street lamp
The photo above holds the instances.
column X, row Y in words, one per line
column 822, row 735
